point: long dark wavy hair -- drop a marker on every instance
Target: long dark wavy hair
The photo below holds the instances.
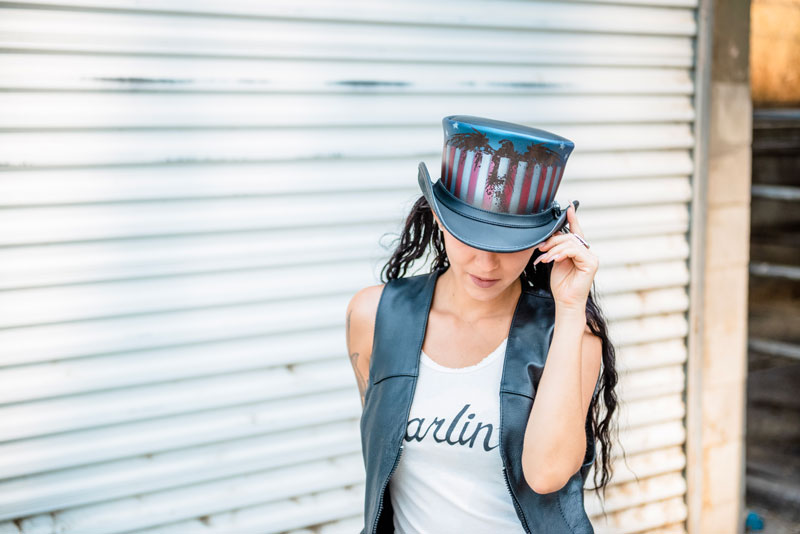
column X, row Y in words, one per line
column 421, row 234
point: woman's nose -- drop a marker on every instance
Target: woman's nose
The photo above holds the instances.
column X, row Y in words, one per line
column 487, row 261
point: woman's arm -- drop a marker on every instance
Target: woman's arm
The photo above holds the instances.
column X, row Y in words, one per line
column 359, row 328
column 555, row 436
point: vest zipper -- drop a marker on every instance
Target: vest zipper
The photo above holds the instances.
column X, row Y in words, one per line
column 383, row 490
column 516, row 504
column 397, row 457
column 505, row 471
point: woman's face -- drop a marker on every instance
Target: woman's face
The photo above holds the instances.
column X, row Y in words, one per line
column 484, row 275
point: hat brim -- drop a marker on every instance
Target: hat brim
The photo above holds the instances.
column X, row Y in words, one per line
column 489, row 230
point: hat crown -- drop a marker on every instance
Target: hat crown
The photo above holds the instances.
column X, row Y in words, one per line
column 501, row 166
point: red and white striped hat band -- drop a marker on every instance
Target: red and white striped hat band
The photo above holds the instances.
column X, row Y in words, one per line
column 502, row 180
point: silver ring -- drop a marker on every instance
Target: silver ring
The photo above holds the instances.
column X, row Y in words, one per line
column 585, row 244
column 567, row 231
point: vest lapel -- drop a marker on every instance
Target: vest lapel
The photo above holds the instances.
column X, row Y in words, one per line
column 401, row 331
column 400, row 325
column 529, row 341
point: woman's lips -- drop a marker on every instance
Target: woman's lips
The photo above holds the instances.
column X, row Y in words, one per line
column 483, row 282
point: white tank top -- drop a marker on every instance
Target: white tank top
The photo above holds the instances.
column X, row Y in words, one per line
column 449, row 478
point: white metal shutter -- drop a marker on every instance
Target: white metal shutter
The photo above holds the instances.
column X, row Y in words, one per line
column 192, row 190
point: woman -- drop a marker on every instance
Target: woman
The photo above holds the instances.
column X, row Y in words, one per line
column 449, row 363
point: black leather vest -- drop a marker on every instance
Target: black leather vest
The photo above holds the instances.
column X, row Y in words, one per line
column 399, row 331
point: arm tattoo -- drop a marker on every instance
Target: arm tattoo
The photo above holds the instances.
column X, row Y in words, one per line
column 360, row 379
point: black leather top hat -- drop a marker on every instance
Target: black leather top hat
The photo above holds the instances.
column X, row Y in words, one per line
column 498, row 183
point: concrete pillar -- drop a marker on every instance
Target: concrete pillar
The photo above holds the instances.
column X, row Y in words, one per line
column 717, row 371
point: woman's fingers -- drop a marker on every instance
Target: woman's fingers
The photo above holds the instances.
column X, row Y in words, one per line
column 555, row 240
column 559, row 251
column 572, row 219
column 574, row 228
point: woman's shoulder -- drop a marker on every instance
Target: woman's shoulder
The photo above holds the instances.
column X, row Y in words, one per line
column 361, row 312
column 363, row 306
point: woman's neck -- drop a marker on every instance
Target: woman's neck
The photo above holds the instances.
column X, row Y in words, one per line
column 454, row 298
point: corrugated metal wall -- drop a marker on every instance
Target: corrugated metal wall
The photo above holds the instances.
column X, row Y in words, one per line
column 191, row 191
